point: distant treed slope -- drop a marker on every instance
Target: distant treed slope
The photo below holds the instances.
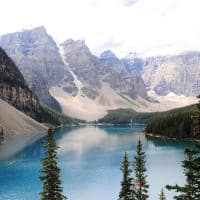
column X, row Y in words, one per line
column 177, row 124
column 126, row 116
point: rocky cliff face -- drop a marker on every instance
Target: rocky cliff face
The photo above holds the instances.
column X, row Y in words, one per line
column 93, row 71
column 133, row 63
column 13, row 88
column 35, row 51
column 123, row 81
column 76, row 78
column 179, row 74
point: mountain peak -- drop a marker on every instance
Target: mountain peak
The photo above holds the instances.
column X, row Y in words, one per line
column 107, row 54
column 33, row 28
column 78, row 46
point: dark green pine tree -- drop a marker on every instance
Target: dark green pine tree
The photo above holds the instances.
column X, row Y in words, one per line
column 196, row 121
column 127, row 187
column 1, row 136
column 162, row 195
column 52, row 189
column 140, row 174
column 191, row 165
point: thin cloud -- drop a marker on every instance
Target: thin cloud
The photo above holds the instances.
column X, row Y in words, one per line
column 126, row 26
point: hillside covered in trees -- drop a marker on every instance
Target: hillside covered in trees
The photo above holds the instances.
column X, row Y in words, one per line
column 177, row 123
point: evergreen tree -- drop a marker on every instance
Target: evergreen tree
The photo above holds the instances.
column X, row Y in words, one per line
column 196, row 121
column 1, row 136
column 127, row 187
column 162, row 195
column 52, row 189
column 191, row 165
column 140, row 174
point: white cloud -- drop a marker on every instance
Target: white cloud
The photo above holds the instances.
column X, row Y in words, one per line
column 146, row 26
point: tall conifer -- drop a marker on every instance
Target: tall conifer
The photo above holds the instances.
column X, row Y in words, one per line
column 191, row 165
column 52, row 189
column 162, row 195
column 127, row 187
column 1, row 136
column 140, row 174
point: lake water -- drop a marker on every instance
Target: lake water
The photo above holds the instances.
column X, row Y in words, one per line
column 89, row 158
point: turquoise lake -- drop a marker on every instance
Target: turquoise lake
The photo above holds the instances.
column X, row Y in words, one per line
column 89, row 158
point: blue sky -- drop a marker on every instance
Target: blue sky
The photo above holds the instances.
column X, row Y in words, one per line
column 148, row 27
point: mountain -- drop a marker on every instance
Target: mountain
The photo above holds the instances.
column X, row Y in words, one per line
column 14, row 121
column 125, row 82
column 178, row 74
column 69, row 78
column 15, row 91
column 38, row 58
column 19, row 130
column 133, row 63
column 177, row 123
column 13, row 88
column 99, row 83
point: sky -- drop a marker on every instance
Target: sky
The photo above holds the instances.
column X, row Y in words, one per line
column 147, row 27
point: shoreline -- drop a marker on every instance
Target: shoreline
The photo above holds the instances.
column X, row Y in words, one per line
column 171, row 138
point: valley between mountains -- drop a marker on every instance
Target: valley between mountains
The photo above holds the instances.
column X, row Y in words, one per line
column 68, row 78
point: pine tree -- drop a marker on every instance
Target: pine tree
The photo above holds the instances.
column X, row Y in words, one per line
column 1, row 136
column 191, row 165
column 127, row 187
column 162, row 195
column 52, row 189
column 140, row 174
column 196, row 121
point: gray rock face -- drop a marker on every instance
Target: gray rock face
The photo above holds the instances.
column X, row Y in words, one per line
column 13, row 88
column 86, row 66
column 34, row 51
column 179, row 74
column 133, row 64
column 123, row 81
column 92, row 71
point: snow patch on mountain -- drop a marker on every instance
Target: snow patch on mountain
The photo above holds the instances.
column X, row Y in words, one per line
column 77, row 82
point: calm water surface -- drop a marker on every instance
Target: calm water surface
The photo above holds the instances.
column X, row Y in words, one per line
column 90, row 161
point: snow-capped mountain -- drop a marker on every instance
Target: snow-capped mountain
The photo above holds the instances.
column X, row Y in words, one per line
column 179, row 74
column 86, row 86
column 38, row 58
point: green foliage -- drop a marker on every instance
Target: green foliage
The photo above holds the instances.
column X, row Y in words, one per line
column 162, row 195
column 177, row 123
column 196, row 121
column 49, row 115
column 191, row 165
column 52, row 189
column 140, row 174
column 1, row 136
column 125, row 116
column 127, row 187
